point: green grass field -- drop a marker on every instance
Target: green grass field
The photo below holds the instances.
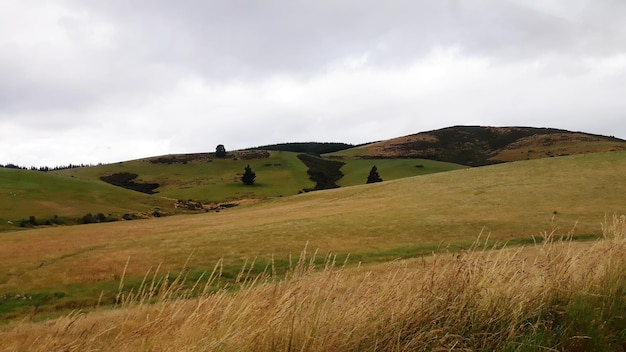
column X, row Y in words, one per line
column 356, row 170
column 402, row 218
column 31, row 193
column 216, row 181
column 279, row 175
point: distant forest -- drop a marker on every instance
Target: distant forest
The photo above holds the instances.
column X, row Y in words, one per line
column 45, row 168
column 307, row 147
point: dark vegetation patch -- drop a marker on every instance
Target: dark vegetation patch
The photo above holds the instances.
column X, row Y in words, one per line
column 88, row 218
column 308, row 147
column 125, row 180
column 325, row 173
column 473, row 145
column 32, row 221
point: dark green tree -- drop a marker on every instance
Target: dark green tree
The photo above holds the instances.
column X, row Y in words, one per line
column 374, row 176
column 220, row 151
column 248, row 176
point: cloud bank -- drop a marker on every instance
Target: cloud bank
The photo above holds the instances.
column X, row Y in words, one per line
column 106, row 81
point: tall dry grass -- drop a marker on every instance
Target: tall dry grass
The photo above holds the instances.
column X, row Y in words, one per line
column 557, row 295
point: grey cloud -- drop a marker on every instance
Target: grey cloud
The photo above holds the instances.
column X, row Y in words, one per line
column 108, row 65
column 148, row 44
column 248, row 38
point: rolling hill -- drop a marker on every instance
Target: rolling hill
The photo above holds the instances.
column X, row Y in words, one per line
column 419, row 211
column 170, row 184
column 201, row 181
column 208, row 179
column 43, row 197
column 404, row 218
column 481, row 145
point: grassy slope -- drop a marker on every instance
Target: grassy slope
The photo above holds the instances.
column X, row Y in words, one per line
column 25, row 193
column 216, row 181
column 281, row 174
column 356, row 170
column 75, row 192
column 383, row 221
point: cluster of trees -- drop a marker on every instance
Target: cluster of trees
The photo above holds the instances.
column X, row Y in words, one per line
column 307, row 147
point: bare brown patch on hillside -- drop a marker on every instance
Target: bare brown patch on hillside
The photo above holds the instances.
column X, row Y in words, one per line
column 208, row 157
column 398, row 147
column 551, row 145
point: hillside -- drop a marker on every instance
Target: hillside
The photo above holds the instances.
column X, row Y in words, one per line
column 478, row 145
column 203, row 177
column 409, row 217
column 169, row 184
column 45, row 198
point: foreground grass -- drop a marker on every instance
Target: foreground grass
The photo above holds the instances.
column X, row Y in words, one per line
column 556, row 296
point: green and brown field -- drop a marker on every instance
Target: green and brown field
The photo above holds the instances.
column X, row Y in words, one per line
column 397, row 265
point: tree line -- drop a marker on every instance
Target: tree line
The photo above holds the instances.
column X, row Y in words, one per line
column 46, row 168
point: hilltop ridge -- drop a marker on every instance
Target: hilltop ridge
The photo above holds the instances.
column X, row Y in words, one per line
column 484, row 145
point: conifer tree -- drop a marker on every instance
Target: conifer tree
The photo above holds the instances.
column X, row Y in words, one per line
column 248, row 176
column 374, row 176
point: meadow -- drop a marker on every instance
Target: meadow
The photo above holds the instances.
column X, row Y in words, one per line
column 377, row 229
column 25, row 193
column 554, row 296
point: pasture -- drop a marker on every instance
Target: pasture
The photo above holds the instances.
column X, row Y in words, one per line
column 557, row 295
column 81, row 266
column 42, row 195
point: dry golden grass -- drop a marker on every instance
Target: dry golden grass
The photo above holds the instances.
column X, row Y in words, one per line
column 479, row 299
column 511, row 201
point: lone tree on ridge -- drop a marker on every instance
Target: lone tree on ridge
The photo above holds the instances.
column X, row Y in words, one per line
column 374, row 176
column 220, row 151
column 248, row 176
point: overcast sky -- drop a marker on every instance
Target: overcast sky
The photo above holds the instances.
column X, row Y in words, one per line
column 114, row 80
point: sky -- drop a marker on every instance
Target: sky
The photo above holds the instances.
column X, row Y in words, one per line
column 102, row 81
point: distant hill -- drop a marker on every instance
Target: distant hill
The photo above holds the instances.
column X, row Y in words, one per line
column 480, row 145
